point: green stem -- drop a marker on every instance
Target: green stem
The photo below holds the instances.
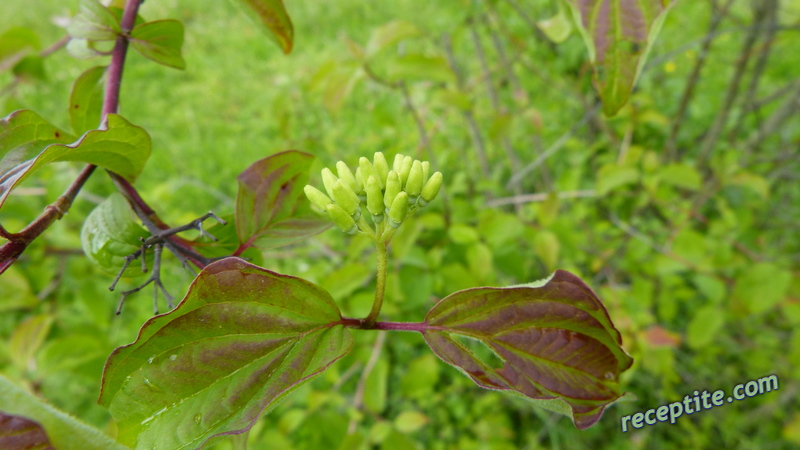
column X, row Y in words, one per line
column 239, row 441
column 380, row 286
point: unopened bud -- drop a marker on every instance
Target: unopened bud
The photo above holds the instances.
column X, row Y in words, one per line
column 347, row 176
column 426, row 170
column 345, row 197
column 399, row 209
column 381, row 167
column 368, row 170
column 342, row 219
column 393, row 188
column 328, row 180
column 317, row 198
column 405, row 169
column 431, row 189
column 398, row 162
column 414, row 183
column 359, row 180
column 374, row 197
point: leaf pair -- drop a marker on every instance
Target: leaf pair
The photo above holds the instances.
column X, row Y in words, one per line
column 244, row 337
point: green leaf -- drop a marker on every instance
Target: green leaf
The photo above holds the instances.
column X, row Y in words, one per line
column 122, row 148
column 557, row 28
column 681, row 175
column 557, row 343
column 375, row 387
column 94, row 22
column 15, row 44
column 269, row 210
column 27, row 338
column 273, row 15
column 389, row 34
column 110, row 233
column 410, row 421
column 15, row 291
column 86, row 100
column 17, row 432
column 762, row 286
column 65, row 431
column 160, row 41
column 241, row 339
column 416, row 67
column 618, row 35
column 547, row 248
column 705, row 324
column 612, row 176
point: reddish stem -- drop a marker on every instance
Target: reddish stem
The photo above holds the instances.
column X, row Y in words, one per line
column 396, row 326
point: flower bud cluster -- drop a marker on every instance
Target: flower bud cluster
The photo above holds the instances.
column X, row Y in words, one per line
column 385, row 193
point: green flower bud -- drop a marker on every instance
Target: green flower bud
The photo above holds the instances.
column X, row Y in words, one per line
column 405, row 169
column 368, row 170
column 345, row 197
column 398, row 162
column 317, row 198
column 381, row 167
column 347, row 176
column 426, row 170
column 342, row 219
column 393, row 188
column 374, row 197
column 359, row 180
column 414, row 182
column 328, row 179
column 431, row 189
column 398, row 210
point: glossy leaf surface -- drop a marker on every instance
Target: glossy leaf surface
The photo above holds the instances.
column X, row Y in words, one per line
column 65, row 432
column 242, row 338
column 160, row 41
column 273, row 15
column 554, row 344
column 20, row 433
column 270, row 207
column 94, row 22
column 86, row 100
column 122, row 148
column 110, row 233
column 618, row 34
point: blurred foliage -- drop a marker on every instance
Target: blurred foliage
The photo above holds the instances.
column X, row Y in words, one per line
column 688, row 230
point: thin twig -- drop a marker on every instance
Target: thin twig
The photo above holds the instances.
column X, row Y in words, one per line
column 716, row 19
column 539, row 197
column 358, row 399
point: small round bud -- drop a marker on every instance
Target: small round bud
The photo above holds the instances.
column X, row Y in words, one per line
column 374, row 197
column 398, row 162
column 345, row 197
column 317, row 198
column 399, row 209
column 347, row 176
column 328, row 180
column 405, row 169
column 426, row 170
column 368, row 170
column 381, row 167
column 393, row 188
column 431, row 189
column 414, row 182
column 342, row 219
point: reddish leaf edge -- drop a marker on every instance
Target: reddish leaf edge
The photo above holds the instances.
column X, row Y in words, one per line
column 218, row 267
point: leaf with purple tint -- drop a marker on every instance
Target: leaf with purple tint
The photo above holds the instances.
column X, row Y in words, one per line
column 270, row 211
column 554, row 344
column 28, row 142
column 20, row 433
column 618, row 34
column 241, row 339
column 273, row 15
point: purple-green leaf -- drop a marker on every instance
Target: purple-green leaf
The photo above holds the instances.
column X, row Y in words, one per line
column 554, row 344
column 28, row 142
column 273, row 15
column 241, row 339
column 269, row 208
column 618, row 34
column 94, row 22
column 160, row 41
column 20, row 433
